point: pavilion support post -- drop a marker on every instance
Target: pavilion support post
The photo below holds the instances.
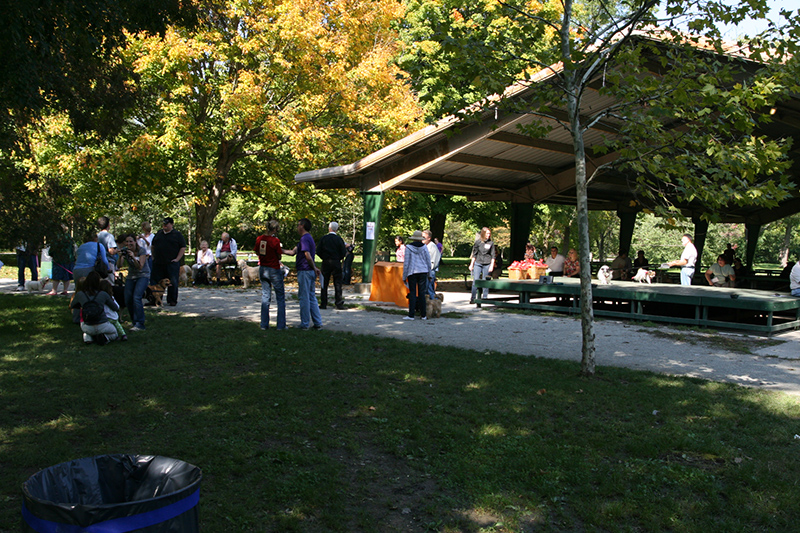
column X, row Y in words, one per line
column 752, row 232
column 373, row 207
column 521, row 216
column 627, row 223
column 700, row 232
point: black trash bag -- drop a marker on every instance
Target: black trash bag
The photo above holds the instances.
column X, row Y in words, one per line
column 113, row 493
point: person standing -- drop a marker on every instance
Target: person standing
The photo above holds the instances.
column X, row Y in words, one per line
column 62, row 251
column 433, row 252
column 416, row 266
column 269, row 250
column 307, row 273
column 400, row 252
column 133, row 255
column 331, row 251
column 146, row 239
column 687, row 260
column 168, row 249
column 481, row 261
column 26, row 258
column 105, row 238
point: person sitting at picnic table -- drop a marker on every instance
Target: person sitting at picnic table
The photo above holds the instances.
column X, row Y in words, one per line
column 721, row 274
column 794, row 280
column 555, row 262
column 640, row 261
column 742, row 272
column 572, row 266
column 621, row 266
column 226, row 253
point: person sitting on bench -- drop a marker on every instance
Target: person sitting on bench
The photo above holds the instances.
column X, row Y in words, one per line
column 226, row 254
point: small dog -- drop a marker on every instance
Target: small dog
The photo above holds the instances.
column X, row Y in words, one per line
column 604, row 275
column 249, row 274
column 643, row 275
column 157, row 291
column 37, row 286
column 185, row 276
column 433, row 308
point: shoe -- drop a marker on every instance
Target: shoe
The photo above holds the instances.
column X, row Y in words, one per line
column 323, row 306
column 408, row 318
column 52, row 293
column 20, row 288
column 471, row 301
column 123, row 338
column 424, row 318
column 317, row 326
column 172, row 304
column 63, row 293
column 264, row 328
column 137, row 328
column 340, row 307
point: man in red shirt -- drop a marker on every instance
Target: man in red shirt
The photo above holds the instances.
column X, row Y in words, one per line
column 269, row 250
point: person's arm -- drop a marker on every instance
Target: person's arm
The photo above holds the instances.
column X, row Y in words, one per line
column 180, row 255
column 679, row 263
column 493, row 252
column 311, row 262
column 234, row 248
column 708, row 276
column 293, row 251
column 111, row 302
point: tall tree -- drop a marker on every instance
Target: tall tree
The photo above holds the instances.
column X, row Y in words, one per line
column 687, row 118
column 261, row 90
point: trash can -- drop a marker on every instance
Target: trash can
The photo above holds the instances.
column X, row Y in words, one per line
column 113, row 493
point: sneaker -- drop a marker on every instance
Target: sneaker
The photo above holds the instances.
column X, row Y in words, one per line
column 408, row 318
column 52, row 293
column 123, row 338
column 317, row 326
column 63, row 293
column 424, row 318
column 20, row 288
column 137, row 328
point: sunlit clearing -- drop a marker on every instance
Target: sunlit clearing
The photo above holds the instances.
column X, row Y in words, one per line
column 409, row 378
column 474, row 386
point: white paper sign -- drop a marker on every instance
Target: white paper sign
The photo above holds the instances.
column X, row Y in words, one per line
column 370, row 231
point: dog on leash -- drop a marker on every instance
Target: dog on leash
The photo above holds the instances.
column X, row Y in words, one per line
column 36, row 286
column 157, row 291
column 644, row 276
column 604, row 275
column 433, row 307
column 249, row 274
column 185, row 276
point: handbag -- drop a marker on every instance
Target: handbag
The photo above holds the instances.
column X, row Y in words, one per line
column 99, row 266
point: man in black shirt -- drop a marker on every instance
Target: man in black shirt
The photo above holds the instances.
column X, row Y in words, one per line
column 331, row 250
column 168, row 248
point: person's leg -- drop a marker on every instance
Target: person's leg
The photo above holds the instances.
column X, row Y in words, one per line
column 130, row 285
column 33, row 264
column 305, row 280
column 139, row 288
column 326, row 278
column 431, row 285
column 108, row 330
column 485, row 275
column 276, row 276
column 337, row 285
column 412, row 295
column 316, row 317
column 422, row 288
column 173, row 273
column 476, row 273
column 266, row 296
column 686, row 276
column 21, row 262
column 796, row 292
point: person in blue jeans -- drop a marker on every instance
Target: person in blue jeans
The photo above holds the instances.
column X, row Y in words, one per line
column 481, row 261
column 134, row 257
column 307, row 273
column 269, row 250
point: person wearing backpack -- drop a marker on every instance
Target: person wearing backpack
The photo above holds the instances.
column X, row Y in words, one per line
column 90, row 299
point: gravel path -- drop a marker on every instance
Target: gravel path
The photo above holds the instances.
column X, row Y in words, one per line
column 772, row 363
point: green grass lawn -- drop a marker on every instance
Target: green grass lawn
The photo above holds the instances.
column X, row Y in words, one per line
column 318, row 431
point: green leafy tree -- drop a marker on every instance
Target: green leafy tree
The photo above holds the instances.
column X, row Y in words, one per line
column 687, row 119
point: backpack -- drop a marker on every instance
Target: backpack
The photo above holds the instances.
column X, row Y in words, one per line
column 92, row 312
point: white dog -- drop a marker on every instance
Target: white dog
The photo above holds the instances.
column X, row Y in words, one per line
column 37, row 286
column 249, row 274
column 604, row 275
column 643, row 275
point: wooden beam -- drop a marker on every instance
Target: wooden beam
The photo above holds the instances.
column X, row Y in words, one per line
column 502, row 164
column 524, row 140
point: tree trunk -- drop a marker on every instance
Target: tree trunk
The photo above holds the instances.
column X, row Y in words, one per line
column 207, row 212
column 581, row 194
column 437, row 222
column 787, row 242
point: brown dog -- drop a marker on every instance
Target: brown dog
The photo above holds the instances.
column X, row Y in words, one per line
column 157, row 291
column 249, row 274
column 433, row 308
column 185, row 276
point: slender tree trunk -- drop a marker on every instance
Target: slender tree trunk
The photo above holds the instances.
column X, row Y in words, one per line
column 787, row 241
column 587, row 310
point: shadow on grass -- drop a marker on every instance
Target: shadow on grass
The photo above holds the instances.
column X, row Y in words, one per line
column 328, row 431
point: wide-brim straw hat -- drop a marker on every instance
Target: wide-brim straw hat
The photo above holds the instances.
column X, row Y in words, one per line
column 417, row 236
